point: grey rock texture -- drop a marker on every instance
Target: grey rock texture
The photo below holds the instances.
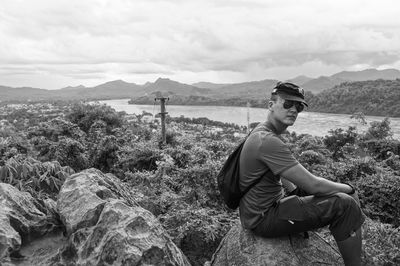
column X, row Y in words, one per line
column 242, row 247
column 105, row 226
column 21, row 218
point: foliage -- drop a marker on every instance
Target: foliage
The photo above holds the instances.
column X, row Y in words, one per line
column 373, row 97
column 381, row 243
column 69, row 152
column 177, row 181
column 56, row 128
column 337, row 140
column 28, row 174
column 85, row 115
column 379, row 130
column 138, row 157
column 380, row 196
column 197, row 232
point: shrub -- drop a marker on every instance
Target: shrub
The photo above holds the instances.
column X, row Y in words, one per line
column 69, row 152
column 380, row 197
column 310, row 157
column 382, row 148
column 180, row 155
column 379, row 130
column 338, row 138
column 381, row 244
column 85, row 115
column 40, row 179
column 104, row 155
column 142, row 156
column 350, row 170
column 197, row 232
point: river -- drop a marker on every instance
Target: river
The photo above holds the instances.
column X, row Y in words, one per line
column 317, row 124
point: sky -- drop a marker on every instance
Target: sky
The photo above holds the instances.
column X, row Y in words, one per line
column 51, row 44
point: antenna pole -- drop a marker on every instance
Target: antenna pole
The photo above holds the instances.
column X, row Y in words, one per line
column 162, row 113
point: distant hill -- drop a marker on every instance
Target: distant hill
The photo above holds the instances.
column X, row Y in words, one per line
column 373, row 97
column 322, row 83
column 201, row 93
column 209, row 85
column 300, row 80
column 368, row 74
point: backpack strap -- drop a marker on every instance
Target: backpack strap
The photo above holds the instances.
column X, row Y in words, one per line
column 259, row 179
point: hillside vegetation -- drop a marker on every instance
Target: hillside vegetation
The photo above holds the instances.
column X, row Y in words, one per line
column 40, row 145
column 375, row 97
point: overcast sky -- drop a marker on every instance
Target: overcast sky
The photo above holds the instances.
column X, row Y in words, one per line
column 52, row 44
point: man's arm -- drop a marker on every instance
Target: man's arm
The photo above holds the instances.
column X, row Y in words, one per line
column 315, row 185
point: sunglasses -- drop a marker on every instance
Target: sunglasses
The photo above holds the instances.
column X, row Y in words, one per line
column 287, row 104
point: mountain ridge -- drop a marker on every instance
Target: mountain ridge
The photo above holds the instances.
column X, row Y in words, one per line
column 250, row 90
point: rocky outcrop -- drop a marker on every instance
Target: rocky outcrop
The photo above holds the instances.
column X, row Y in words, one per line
column 241, row 247
column 21, row 218
column 106, row 226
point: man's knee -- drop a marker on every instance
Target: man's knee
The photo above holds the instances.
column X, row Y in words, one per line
column 348, row 217
column 346, row 201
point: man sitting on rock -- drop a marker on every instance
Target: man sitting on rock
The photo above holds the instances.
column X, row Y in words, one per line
column 266, row 211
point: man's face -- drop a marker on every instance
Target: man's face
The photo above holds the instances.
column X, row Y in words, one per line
column 281, row 114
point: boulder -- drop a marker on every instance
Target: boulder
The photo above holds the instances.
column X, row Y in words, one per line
column 21, row 218
column 242, row 247
column 106, row 226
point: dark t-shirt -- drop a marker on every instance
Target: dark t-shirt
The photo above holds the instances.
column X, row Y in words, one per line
column 264, row 154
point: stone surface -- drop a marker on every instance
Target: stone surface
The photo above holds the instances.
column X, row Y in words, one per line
column 83, row 195
column 241, row 247
column 21, row 218
column 105, row 225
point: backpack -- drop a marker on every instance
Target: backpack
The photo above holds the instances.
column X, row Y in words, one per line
column 228, row 179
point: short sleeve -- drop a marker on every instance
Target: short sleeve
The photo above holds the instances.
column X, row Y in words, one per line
column 276, row 154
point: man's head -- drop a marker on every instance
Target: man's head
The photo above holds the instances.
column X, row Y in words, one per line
column 287, row 100
column 289, row 91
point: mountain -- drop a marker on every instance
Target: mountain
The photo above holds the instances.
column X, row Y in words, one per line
column 322, row 83
column 203, row 92
column 247, row 90
column 368, row 74
column 209, row 85
column 22, row 94
column 167, row 85
column 300, row 80
column 74, row 88
column 372, row 97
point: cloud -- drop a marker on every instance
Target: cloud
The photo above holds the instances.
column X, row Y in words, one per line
column 191, row 39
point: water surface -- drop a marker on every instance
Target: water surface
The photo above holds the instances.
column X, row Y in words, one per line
column 313, row 123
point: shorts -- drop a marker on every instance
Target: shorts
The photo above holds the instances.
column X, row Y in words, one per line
column 295, row 214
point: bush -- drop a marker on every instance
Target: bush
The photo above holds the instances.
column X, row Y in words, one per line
column 104, row 155
column 382, row 148
column 338, row 138
column 141, row 157
column 381, row 243
column 380, row 197
column 310, row 157
column 85, row 115
column 197, row 232
column 40, row 179
column 69, row 152
column 379, row 130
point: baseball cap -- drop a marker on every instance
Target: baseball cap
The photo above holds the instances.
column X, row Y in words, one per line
column 290, row 91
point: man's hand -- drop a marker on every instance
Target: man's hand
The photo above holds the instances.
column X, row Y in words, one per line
column 354, row 194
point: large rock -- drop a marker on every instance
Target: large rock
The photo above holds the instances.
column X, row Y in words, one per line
column 21, row 218
column 106, row 226
column 242, row 247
